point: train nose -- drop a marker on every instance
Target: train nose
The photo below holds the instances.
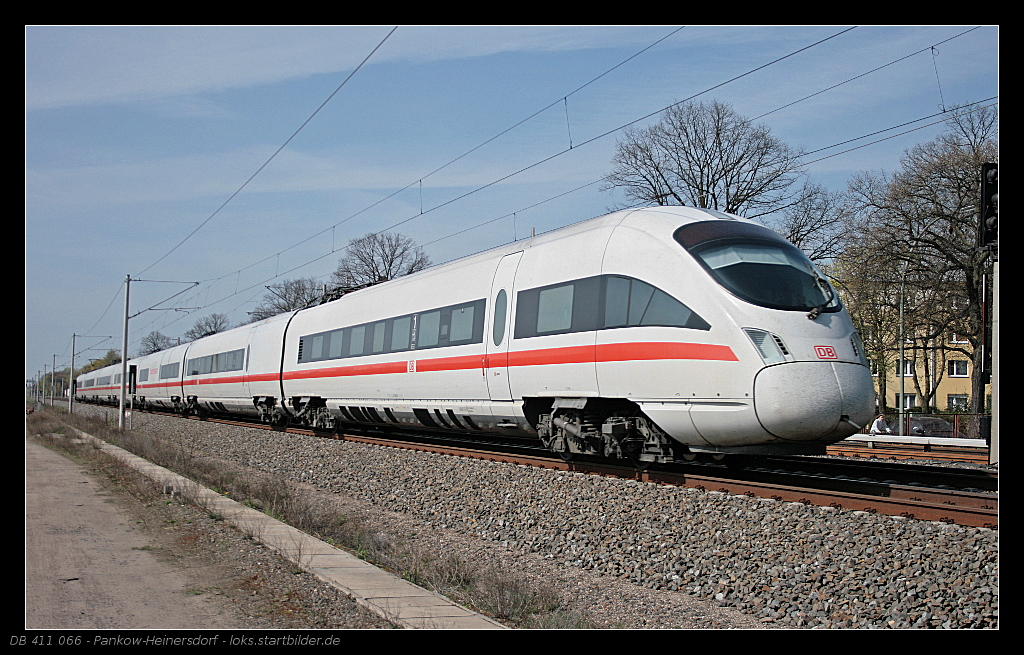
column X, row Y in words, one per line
column 804, row 401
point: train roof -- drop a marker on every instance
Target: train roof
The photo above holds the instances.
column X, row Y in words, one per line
column 664, row 215
column 678, row 214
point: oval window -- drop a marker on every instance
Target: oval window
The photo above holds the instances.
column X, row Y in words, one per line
column 500, row 310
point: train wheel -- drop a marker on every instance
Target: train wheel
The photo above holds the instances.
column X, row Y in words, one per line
column 639, row 464
column 280, row 419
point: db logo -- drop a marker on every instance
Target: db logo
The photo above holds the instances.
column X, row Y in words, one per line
column 825, row 352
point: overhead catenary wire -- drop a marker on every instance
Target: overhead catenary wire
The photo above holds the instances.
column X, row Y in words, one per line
column 865, row 73
column 572, row 146
column 440, row 168
column 935, row 64
column 945, row 117
column 264, row 165
column 419, row 181
column 560, row 100
column 966, row 109
column 537, row 163
column 622, row 127
column 276, row 152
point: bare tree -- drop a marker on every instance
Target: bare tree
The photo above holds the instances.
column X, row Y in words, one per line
column 818, row 222
column 206, row 326
column 706, row 155
column 287, row 296
column 920, row 231
column 154, row 342
column 377, row 258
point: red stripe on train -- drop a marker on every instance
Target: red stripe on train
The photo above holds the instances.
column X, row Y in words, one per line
column 612, row 352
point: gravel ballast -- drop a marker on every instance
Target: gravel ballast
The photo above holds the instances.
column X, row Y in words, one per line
column 640, row 555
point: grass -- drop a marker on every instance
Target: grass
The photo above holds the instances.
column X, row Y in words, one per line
column 492, row 590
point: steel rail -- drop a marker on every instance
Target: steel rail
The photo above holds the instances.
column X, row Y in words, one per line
column 909, row 502
column 967, row 509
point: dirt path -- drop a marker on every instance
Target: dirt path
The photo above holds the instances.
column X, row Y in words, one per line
column 88, row 566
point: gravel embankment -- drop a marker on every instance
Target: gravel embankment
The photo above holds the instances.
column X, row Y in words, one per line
column 634, row 554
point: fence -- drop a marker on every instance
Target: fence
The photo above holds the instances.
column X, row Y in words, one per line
column 960, row 426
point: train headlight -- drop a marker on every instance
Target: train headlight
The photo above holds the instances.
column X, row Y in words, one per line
column 768, row 345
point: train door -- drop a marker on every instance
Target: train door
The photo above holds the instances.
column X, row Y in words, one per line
column 247, row 368
column 499, row 327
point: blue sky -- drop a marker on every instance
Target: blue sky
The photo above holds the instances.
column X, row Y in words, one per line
column 137, row 136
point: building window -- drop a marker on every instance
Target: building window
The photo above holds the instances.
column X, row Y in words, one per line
column 957, row 368
column 909, row 400
column 957, row 402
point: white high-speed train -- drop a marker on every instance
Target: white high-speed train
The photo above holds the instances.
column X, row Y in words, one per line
column 649, row 334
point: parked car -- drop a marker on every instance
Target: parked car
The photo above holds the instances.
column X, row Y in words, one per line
column 927, row 426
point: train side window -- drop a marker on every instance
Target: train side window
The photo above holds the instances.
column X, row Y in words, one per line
column 233, row 360
column 500, row 310
column 334, row 347
column 599, row 302
column 554, row 309
column 462, row 324
column 357, row 337
column 429, row 330
column 640, row 295
column 221, row 362
column 200, row 365
column 401, row 333
column 544, row 310
column 616, row 306
column 378, row 337
column 630, row 302
column 316, row 347
column 666, row 310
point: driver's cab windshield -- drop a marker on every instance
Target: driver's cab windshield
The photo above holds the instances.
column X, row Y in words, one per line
column 758, row 265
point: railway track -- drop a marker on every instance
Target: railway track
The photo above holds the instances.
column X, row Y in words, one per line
column 959, row 496
column 904, row 451
column 928, row 493
column 969, row 508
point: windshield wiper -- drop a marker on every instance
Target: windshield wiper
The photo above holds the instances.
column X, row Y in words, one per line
column 816, row 312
